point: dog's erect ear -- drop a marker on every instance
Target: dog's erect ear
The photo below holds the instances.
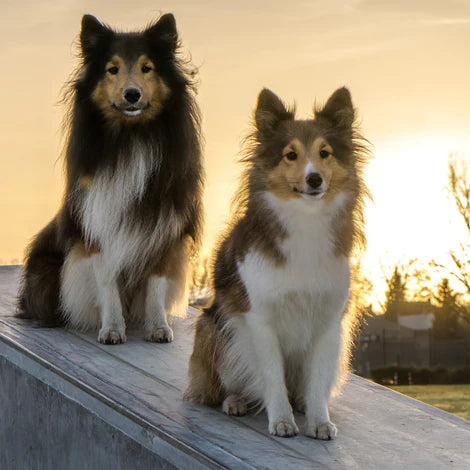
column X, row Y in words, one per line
column 339, row 109
column 270, row 110
column 92, row 34
column 164, row 32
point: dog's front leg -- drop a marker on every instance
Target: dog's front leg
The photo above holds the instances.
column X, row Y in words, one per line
column 156, row 324
column 321, row 368
column 113, row 328
column 270, row 367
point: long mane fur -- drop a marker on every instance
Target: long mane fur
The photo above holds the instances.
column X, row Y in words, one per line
column 92, row 147
column 174, row 134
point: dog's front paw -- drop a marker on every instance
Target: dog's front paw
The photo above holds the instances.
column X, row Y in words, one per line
column 326, row 431
column 163, row 334
column 112, row 336
column 283, row 428
column 234, row 405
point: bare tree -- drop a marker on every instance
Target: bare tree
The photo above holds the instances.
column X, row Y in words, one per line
column 459, row 190
column 459, row 186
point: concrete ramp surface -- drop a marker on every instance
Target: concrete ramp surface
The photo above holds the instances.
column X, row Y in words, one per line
column 68, row 402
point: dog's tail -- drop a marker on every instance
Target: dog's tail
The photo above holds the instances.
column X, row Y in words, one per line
column 38, row 297
column 204, row 381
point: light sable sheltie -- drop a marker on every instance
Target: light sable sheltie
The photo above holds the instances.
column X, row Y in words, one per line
column 278, row 331
column 117, row 250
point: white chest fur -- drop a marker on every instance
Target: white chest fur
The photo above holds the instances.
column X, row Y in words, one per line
column 107, row 216
column 310, row 290
column 113, row 190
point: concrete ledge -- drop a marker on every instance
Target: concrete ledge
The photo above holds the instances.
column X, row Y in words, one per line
column 69, row 402
column 43, row 427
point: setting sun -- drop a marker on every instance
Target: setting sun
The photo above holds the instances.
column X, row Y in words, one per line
column 412, row 215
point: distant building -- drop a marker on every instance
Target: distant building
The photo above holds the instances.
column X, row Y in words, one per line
column 418, row 316
column 377, row 328
column 406, row 342
column 417, row 322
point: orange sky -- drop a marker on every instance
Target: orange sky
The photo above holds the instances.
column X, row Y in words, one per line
column 407, row 65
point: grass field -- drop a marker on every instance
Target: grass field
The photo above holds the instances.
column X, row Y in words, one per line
column 454, row 399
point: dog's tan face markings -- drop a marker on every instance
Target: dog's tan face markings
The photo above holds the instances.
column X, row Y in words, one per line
column 121, row 76
column 289, row 179
column 288, row 173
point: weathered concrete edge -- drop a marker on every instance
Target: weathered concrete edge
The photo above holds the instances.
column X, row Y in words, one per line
column 156, row 440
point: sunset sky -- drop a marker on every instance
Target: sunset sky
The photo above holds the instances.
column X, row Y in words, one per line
column 407, row 65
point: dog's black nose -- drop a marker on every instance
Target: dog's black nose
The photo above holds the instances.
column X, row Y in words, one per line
column 132, row 95
column 314, row 180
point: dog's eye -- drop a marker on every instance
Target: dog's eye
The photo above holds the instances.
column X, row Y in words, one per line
column 291, row 156
column 113, row 70
column 146, row 69
column 324, row 153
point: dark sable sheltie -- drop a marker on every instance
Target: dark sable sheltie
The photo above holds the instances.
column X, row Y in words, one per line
column 117, row 250
column 278, row 331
